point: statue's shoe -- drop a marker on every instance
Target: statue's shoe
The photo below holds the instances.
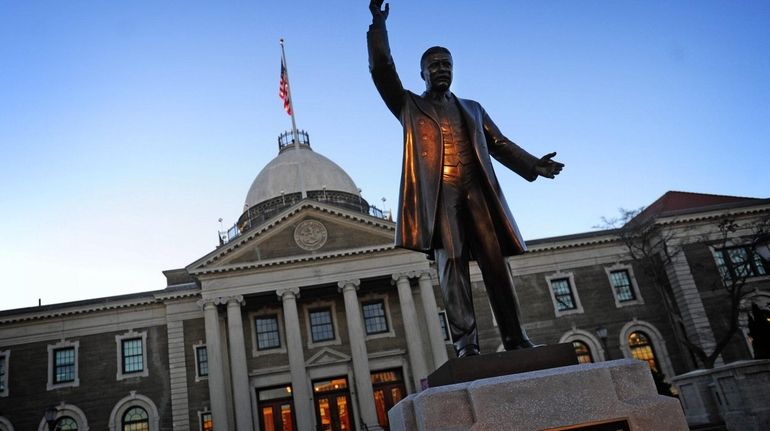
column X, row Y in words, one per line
column 469, row 350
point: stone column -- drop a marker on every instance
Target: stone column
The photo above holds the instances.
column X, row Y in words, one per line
column 411, row 329
column 431, row 319
column 238, row 368
column 217, row 391
column 359, row 354
column 303, row 404
column 688, row 300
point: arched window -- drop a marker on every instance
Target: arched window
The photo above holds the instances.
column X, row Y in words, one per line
column 136, row 419
column 66, row 423
column 641, row 348
column 583, row 352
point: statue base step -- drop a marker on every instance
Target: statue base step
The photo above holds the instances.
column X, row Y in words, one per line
column 458, row 370
column 607, row 396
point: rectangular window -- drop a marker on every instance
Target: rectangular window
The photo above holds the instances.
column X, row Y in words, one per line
column 321, row 326
column 621, row 282
column 202, row 361
column 375, row 321
column 443, row 324
column 739, row 262
column 2, row 373
column 133, row 358
column 206, row 423
column 562, row 292
column 268, row 336
column 64, row 365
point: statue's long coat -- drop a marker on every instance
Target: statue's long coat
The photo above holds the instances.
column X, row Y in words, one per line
column 423, row 157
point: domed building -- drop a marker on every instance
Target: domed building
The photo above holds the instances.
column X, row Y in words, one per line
column 305, row 316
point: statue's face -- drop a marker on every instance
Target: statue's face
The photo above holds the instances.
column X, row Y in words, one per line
column 437, row 71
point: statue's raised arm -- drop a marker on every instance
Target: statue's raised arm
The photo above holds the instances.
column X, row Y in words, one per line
column 378, row 13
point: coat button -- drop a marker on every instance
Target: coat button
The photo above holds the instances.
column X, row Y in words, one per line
column 421, row 122
column 424, row 137
column 425, row 154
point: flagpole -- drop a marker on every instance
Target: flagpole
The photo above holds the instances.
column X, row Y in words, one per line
column 293, row 120
column 291, row 100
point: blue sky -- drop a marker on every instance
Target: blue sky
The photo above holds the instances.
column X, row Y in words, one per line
column 128, row 128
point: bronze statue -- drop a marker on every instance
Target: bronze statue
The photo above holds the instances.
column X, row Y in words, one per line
column 450, row 205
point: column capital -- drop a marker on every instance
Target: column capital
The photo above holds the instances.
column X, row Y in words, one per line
column 208, row 303
column 425, row 274
column 234, row 301
column 404, row 275
column 348, row 284
column 287, row 292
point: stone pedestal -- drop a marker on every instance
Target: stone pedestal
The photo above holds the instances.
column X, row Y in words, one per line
column 737, row 394
column 576, row 397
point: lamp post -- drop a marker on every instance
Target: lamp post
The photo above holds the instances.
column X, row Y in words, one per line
column 601, row 332
column 50, row 417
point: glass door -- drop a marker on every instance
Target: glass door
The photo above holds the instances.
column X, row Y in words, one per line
column 276, row 410
column 388, row 389
column 332, row 405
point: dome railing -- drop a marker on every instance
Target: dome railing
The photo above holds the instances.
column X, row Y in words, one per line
column 286, row 139
column 258, row 214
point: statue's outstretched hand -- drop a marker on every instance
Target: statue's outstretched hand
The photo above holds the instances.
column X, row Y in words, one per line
column 375, row 6
column 545, row 167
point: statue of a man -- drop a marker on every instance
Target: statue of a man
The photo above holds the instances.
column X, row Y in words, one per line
column 450, row 205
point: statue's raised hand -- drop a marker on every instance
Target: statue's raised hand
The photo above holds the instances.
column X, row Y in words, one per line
column 378, row 13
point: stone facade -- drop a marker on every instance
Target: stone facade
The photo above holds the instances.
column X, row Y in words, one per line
column 215, row 301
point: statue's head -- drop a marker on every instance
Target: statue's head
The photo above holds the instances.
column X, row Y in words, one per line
column 436, row 68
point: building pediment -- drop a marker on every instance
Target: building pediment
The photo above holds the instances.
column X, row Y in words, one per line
column 307, row 231
column 327, row 356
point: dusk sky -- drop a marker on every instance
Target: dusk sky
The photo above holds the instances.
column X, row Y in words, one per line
column 127, row 129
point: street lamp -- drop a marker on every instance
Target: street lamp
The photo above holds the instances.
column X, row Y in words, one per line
column 50, row 417
column 601, row 332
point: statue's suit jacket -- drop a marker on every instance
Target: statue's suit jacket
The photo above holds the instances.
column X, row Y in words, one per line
column 423, row 156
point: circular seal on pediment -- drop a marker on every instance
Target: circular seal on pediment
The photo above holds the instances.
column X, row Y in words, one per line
column 310, row 235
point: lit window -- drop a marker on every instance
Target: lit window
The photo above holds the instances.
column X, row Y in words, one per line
column 621, row 282
column 133, row 356
column 739, row 262
column 443, row 324
column 641, row 348
column 202, row 361
column 64, row 365
column 136, row 419
column 562, row 292
column 268, row 336
column 206, row 422
column 66, row 423
column 583, row 352
column 375, row 321
column 321, row 326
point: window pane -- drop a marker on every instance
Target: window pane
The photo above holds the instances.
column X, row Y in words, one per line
column 621, row 281
column 443, row 325
column 136, row 419
column 562, row 291
column 203, row 361
column 641, row 349
column 268, row 336
column 321, row 327
column 133, row 360
column 374, row 318
column 66, row 424
column 583, row 352
column 206, row 422
column 2, row 373
column 64, row 365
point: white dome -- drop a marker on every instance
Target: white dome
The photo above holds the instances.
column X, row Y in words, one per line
column 282, row 174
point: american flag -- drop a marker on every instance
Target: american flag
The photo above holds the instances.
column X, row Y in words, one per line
column 283, row 90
